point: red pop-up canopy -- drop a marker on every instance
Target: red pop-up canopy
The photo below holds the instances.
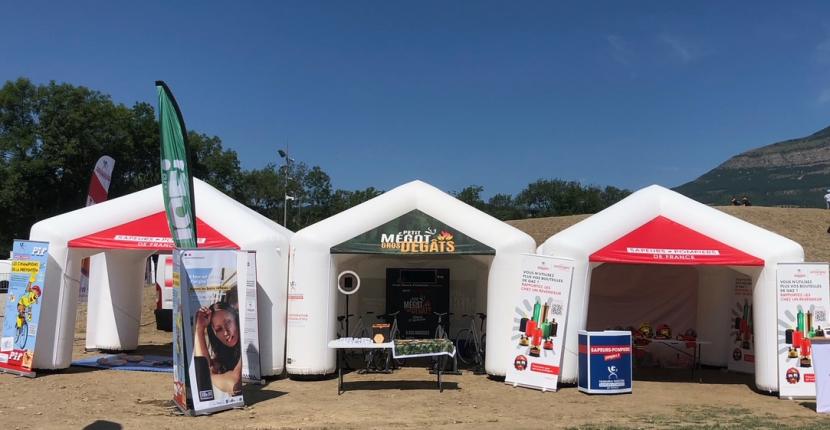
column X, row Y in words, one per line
column 149, row 233
column 663, row 241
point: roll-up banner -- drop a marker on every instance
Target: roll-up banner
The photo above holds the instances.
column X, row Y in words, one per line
column 540, row 312
column 803, row 303
column 251, row 367
column 211, row 328
column 742, row 352
column 22, row 313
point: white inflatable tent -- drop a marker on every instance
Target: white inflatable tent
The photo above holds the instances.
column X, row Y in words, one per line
column 127, row 230
column 479, row 282
column 692, row 252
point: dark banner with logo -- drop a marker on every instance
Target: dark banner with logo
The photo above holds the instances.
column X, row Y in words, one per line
column 418, row 294
column 414, row 233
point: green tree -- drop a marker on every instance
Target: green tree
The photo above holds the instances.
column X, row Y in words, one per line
column 471, row 195
column 503, row 207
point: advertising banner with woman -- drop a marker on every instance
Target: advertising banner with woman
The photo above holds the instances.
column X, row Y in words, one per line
column 539, row 322
column 803, row 303
column 22, row 313
column 211, row 328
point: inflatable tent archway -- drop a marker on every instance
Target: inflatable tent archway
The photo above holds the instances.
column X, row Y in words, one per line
column 657, row 226
column 478, row 281
column 127, row 230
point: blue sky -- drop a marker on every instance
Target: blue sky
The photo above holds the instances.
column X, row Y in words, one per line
column 497, row 94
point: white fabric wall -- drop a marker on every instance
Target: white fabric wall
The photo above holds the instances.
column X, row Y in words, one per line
column 592, row 234
column 312, row 304
column 715, row 290
column 115, row 295
column 629, row 295
column 248, row 229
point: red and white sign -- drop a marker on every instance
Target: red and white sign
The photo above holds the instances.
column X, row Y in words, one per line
column 99, row 185
column 663, row 241
column 803, row 305
column 149, row 233
column 541, row 309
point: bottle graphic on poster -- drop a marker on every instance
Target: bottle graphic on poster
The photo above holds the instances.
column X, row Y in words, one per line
column 537, row 311
column 809, row 321
column 799, row 318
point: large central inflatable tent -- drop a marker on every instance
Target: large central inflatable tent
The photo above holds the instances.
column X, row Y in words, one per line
column 125, row 231
column 658, row 254
column 416, row 249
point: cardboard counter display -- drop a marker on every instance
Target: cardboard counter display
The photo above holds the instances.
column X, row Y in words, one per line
column 605, row 362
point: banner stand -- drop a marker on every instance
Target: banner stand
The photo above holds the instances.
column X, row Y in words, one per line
column 207, row 350
column 540, row 312
column 22, row 308
column 803, row 298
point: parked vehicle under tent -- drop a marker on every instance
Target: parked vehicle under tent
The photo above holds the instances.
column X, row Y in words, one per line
column 416, row 229
column 657, row 254
column 125, row 231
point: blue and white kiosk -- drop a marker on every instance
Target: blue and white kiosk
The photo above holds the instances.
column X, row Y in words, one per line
column 605, row 360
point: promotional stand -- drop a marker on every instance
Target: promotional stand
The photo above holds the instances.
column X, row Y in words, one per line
column 22, row 313
column 604, row 362
column 821, row 364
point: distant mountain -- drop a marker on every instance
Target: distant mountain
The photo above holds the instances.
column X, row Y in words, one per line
column 793, row 172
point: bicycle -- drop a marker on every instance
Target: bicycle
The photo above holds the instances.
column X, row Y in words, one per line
column 441, row 333
column 22, row 334
column 385, row 356
column 470, row 343
column 359, row 330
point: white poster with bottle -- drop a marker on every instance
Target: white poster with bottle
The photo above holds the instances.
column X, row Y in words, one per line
column 741, row 334
column 803, row 303
column 212, row 333
column 540, row 312
column 251, row 368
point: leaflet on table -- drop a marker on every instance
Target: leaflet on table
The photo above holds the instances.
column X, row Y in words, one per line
column 251, row 369
column 211, row 328
column 23, row 301
column 539, row 316
column 803, row 302
column 742, row 352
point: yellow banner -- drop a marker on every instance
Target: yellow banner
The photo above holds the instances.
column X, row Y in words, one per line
column 25, row 267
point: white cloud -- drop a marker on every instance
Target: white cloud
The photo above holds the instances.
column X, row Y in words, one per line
column 680, row 50
column 824, row 96
column 620, row 51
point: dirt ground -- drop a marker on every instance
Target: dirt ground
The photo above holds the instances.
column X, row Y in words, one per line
column 108, row 399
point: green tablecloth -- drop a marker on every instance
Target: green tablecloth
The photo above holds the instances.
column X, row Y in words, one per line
column 408, row 348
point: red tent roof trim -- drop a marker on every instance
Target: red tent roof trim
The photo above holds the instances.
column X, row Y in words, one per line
column 663, row 241
column 149, row 233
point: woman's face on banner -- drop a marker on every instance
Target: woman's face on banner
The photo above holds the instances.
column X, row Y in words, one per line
column 224, row 327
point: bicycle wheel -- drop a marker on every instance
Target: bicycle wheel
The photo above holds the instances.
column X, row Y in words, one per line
column 22, row 336
column 465, row 346
column 483, row 346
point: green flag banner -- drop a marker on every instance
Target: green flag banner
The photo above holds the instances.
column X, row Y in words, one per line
column 413, row 233
column 176, row 182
